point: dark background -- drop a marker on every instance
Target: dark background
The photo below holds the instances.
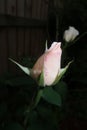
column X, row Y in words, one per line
column 24, row 27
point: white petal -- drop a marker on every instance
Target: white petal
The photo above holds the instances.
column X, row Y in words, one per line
column 54, row 44
column 70, row 34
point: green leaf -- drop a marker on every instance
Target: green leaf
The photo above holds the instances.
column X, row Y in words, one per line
column 25, row 69
column 51, row 96
column 61, row 73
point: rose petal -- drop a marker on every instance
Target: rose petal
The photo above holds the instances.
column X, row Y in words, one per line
column 52, row 59
column 70, row 34
column 38, row 67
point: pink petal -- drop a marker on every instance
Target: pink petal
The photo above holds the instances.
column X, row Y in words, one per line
column 38, row 67
column 52, row 59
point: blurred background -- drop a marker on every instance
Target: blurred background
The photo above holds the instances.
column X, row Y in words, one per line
column 25, row 25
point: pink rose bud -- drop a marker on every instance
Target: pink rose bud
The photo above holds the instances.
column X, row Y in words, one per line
column 49, row 63
column 70, row 34
column 47, row 70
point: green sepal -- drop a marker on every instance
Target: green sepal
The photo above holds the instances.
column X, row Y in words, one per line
column 41, row 79
column 61, row 73
column 25, row 69
column 46, row 47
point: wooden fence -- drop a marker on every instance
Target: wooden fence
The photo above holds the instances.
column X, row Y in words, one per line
column 22, row 30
